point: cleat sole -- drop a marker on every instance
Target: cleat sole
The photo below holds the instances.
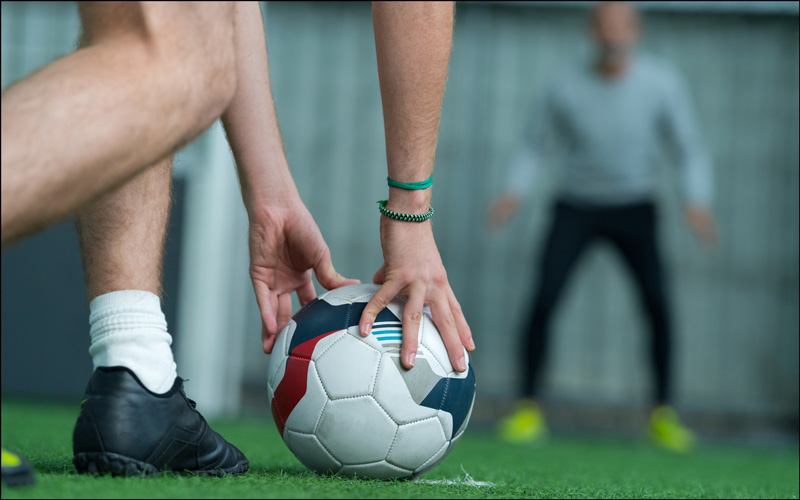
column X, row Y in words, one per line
column 104, row 463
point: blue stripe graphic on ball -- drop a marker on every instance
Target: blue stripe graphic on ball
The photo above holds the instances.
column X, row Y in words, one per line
column 320, row 317
column 453, row 395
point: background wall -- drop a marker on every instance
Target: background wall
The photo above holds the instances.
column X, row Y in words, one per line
column 736, row 308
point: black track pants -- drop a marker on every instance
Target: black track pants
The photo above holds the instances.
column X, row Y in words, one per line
column 631, row 229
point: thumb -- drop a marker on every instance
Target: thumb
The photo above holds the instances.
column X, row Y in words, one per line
column 380, row 275
column 327, row 275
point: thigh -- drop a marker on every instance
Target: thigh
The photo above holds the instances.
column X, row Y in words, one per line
column 570, row 231
column 633, row 232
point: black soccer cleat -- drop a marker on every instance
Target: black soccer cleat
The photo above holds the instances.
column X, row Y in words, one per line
column 126, row 430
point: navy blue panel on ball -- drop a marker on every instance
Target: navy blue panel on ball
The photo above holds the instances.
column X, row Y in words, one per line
column 453, row 395
column 316, row 318
column 319, row 317
column 358, row 309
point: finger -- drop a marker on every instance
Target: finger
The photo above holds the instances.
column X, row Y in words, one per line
column 327, row 275
column 378, row 303
column 412, row 316
column 267, row 339
column 446, row 323
column 268, row 306
column 284, row 309
column 464, row 331
column 306, row 293
column 380, row 275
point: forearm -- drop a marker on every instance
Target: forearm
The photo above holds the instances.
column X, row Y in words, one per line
column 412, row 41
column 522, row 172
column 697, row 180
column 250, row 121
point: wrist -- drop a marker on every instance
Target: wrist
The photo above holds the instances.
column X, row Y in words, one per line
column 271, row 187
column 409, row 201
column 264, row 208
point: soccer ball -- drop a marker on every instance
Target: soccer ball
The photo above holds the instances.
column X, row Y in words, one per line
column 345, row 405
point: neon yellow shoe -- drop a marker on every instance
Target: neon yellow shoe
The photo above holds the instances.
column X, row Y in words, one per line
column 16, row 470
column 667, row 431
column 525, row 425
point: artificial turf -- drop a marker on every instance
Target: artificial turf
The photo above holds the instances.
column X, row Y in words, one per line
column 566, row 467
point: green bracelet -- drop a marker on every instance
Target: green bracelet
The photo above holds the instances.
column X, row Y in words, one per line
column 410, row 185
column 404, row 217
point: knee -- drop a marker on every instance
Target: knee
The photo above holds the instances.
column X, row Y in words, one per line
column 193, row 46
column 183, row 50
column 209, row 68
column 215, row 84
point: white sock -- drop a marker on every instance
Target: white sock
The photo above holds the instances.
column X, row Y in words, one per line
column 128, row 329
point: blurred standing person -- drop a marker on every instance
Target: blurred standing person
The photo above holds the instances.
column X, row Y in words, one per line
column 611, row 115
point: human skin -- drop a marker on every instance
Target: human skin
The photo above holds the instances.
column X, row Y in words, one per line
column 122, row 234
column 151, row 77
column 285, row 242
column 413, row 41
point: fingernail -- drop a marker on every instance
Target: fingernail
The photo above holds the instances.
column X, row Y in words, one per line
column 411, row 358
column 461, row 365
column 471, row 345
column 365, row 331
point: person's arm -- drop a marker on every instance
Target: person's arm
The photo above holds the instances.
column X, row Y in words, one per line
column 412, row 41
column 693, row 160
column 525, row 162
column 285, row 243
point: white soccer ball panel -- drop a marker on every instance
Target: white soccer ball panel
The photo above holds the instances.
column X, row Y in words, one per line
column 348, row 368
column 435, row 460
column 433, row 361
column 392, row 394
column 416, row 443
column 356, row 431
column 349, row 294
column 446, row 421
column 369, row 340
column 306, row 414
column 378, row 470
column 440, row 456
column 277, row 365
column 285, row 338
column 431, row 340
column 426, row 326
column 310, row 452
column 325, row 343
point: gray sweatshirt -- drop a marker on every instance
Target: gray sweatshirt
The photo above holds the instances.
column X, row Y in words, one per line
column 611, row 131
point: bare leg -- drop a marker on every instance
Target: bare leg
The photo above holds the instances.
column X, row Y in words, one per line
column 122, row 238
column 153, row 76
column 122, row 234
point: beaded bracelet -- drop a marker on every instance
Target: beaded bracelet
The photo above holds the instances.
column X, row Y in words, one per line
column 403, row 217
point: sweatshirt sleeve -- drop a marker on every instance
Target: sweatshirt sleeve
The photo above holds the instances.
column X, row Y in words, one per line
column 525, row 161
column 691, row 156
